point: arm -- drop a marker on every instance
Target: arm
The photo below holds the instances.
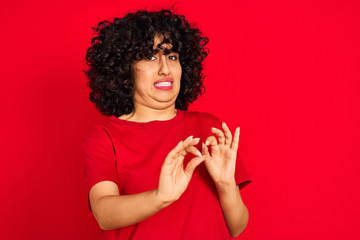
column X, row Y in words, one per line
column 235, row 212
column 221, row 167
column 113, row 210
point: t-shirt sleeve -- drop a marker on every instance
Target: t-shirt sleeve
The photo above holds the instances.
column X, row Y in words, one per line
column 99, row 156
column 242, row 177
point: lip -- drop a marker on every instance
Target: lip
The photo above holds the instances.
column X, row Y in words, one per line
column 164, row 87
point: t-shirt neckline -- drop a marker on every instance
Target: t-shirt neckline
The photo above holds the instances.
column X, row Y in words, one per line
column 179, row 115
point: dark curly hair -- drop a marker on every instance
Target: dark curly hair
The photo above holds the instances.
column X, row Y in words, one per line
column 118, row 44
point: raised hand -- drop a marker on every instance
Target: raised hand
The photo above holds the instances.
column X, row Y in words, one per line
column 174, row 179
column 222, row 160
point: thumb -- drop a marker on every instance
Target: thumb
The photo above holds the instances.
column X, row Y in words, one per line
column 190, row 168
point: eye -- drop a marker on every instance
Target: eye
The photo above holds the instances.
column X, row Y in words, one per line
column 150, row 58
column 173, row 57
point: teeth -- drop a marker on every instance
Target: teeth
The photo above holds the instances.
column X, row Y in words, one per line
column 163, row 84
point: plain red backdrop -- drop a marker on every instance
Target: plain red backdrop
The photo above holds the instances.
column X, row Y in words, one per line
column 287, row 72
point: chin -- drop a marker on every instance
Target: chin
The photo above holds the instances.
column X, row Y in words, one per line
column 164, row 103
column 168, row 97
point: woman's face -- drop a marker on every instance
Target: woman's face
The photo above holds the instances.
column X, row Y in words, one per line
column 157, row 79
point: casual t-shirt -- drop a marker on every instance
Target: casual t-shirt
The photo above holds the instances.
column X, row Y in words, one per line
column 131, row 154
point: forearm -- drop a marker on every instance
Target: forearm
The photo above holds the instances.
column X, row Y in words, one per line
column 235, row 212
column 112, row 212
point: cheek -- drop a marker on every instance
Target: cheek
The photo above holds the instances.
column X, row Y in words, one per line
column 178, row 71
column 143, row 75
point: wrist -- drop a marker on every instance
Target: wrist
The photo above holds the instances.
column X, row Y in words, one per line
column 225, row 186
column 161, row 201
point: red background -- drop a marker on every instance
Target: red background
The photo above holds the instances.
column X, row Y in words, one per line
column 287, row 72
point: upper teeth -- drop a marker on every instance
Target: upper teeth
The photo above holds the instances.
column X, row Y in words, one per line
column 163, row 84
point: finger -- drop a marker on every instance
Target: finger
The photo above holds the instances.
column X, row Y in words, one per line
column 188, row 143
column 188, row 140
column 184, row 145
column 178, row 162
column 211, row 141
column 191, row 142
column 194, row 150
column 169, row 160
column 205, row 151
column 228, row 135
column 219, row 134
column 187, row 146
column 189, row 170
column 235, row 142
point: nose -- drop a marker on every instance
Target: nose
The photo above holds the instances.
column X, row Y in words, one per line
column 163, row 68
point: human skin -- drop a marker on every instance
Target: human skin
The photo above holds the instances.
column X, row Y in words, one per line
column 113, row 210
column 149, row 102
column 220, row 164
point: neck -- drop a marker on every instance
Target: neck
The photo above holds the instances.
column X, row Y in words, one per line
column 141, row 114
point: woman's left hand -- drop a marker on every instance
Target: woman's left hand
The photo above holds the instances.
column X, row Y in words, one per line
column 222, row 160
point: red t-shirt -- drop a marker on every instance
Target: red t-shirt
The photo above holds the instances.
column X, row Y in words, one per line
column 131, row 154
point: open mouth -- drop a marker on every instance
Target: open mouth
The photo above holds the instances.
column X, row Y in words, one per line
column 164, row 84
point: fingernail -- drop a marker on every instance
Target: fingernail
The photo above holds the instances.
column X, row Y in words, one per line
column 206, row 142
column 199, row 153
column 196, row 139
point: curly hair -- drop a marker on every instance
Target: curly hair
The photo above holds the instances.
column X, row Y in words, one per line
column 117, row 45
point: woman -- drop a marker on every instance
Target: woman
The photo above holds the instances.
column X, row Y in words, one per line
column 146, row 173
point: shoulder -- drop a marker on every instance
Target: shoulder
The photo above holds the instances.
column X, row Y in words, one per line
column 104, row 126
column 202, row 115
column 202, row 118
column 100, row 138
column 101, row 130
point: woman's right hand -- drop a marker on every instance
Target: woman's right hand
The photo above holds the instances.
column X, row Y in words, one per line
column 174, row 179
